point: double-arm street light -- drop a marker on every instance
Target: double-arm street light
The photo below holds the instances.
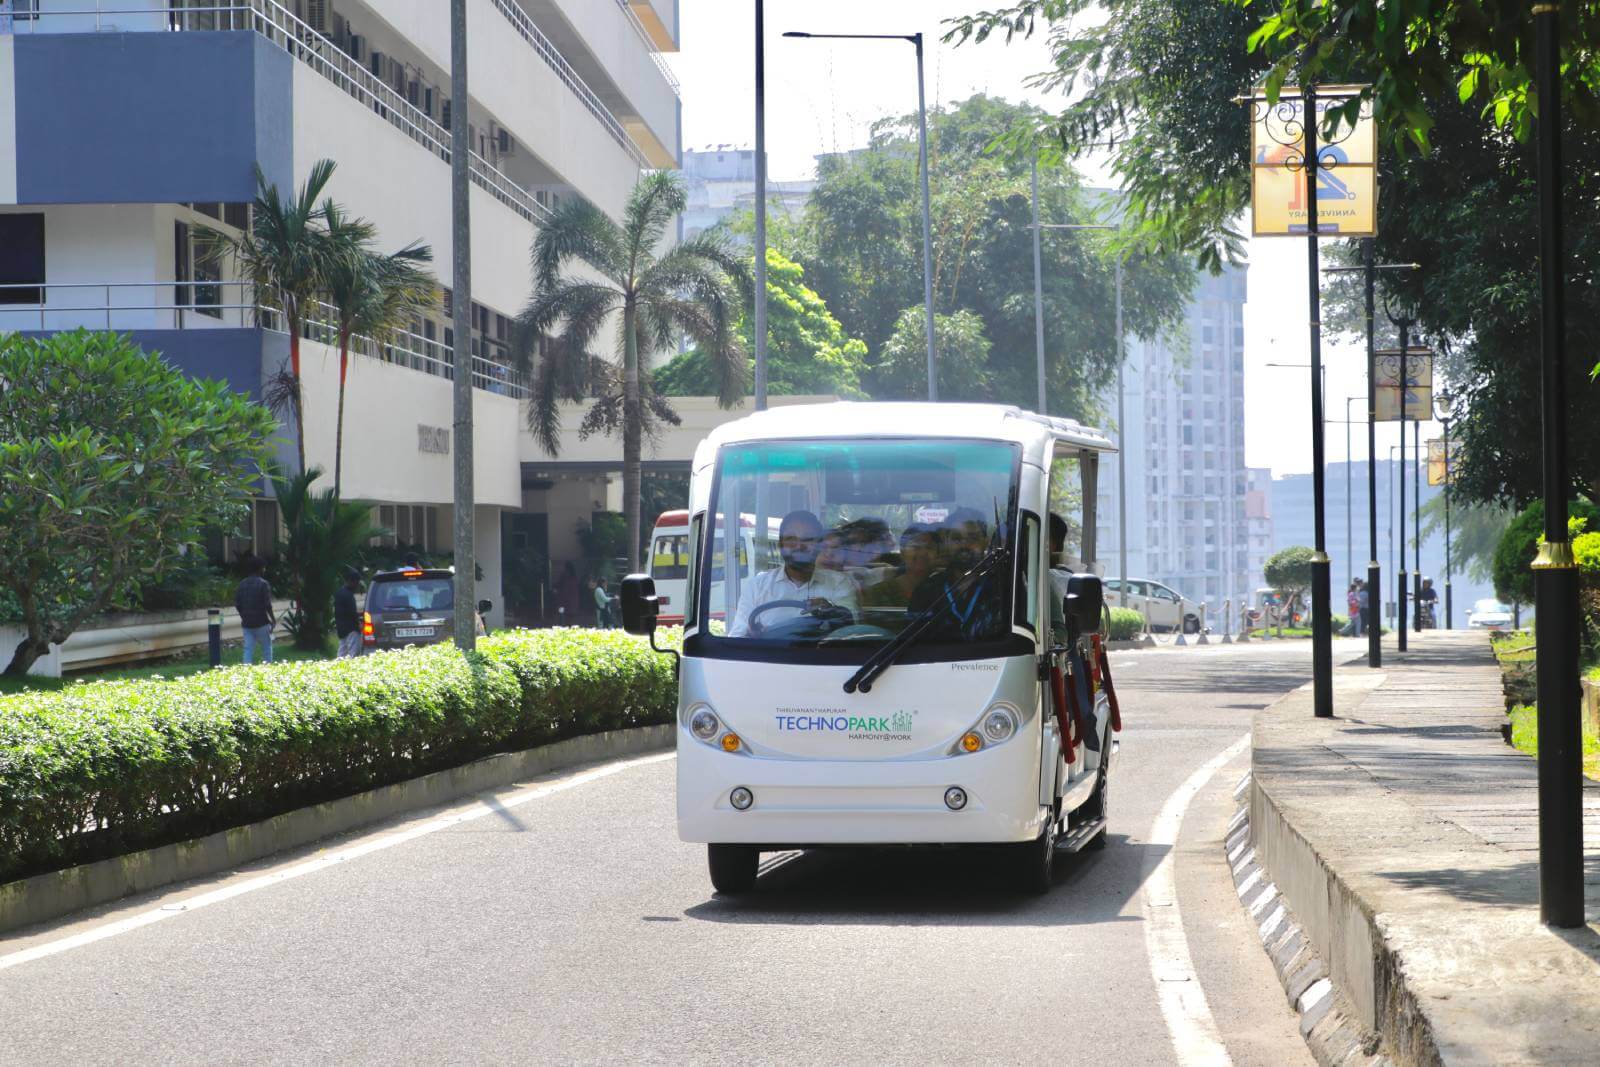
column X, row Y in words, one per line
column 927, row 222
column 1370, row 268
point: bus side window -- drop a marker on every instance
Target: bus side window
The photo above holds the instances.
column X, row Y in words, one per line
column 1029, row 551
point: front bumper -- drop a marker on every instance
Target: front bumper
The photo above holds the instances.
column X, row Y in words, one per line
column 801, row 803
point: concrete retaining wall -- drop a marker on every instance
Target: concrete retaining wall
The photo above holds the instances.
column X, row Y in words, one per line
column 127, row 638
column 49, row 896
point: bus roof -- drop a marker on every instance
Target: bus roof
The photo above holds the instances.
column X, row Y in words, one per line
column 671, row 520
column 903, row 419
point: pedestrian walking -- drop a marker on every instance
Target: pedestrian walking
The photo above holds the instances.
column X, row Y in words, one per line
column 253, row 600
column 1352, row 601
column 346, row 616
column 1364, row 600
column 602, row 605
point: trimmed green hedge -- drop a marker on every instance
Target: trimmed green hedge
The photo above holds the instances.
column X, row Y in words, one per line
column 1126, row 624
column 105, row 768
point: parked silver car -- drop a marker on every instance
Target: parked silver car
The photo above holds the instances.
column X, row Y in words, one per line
column 1488, row 614
column 1165, row 607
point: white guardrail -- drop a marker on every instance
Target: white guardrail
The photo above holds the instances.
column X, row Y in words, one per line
column 201, row 305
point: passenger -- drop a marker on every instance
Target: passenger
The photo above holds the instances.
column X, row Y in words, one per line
column 1059, row 576
column 799, row 582
column 975, row 605
column 919, row 551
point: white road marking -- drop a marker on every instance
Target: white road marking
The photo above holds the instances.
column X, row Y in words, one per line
column 1195, row 1038
column 473, row 811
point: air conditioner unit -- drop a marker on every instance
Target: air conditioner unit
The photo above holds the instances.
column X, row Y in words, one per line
column 317, row 16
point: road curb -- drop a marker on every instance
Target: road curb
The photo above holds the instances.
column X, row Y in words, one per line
column 50, row 896
column 1333, row 1031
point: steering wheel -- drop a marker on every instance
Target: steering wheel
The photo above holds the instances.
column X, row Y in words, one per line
column 860, row 631
column 833, row 615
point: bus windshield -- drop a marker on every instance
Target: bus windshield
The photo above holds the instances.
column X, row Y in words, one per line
column 865, row 535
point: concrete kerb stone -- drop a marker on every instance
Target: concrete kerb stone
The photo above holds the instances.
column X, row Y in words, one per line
column 50, row 896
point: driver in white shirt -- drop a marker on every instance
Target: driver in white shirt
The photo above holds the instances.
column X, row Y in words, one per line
column 803, row 585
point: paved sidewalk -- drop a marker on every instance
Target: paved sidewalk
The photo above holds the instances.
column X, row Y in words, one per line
column 1403, row 835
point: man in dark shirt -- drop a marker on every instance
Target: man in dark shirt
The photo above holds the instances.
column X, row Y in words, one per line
column 346, row 617
column 253, row 599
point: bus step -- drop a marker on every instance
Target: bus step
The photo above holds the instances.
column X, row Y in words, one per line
column 1074, row 839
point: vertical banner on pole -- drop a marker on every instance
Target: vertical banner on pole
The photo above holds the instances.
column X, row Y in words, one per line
column 1418, row 386
column 1347, row 182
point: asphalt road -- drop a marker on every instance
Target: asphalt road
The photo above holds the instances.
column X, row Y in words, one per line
column 570, row 925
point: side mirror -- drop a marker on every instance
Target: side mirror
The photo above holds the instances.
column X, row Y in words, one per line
column 485, row 606
column 1084, row 603
column 640, row 605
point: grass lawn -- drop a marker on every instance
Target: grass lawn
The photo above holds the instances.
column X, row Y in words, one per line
column 1514, row 646
column 173, row 667
column 1525, row 738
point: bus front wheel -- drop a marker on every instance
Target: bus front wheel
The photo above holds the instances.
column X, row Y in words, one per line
column 1035, row 862
column 733, row 868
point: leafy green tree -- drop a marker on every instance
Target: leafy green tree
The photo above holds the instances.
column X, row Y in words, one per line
column 695, row 288
column 325, row 535
column 863, row 245
column 114, row 464
column 962, row 349
column 1475, row 532
column 1513, row 556
column 285, row 254
column 807, row 350
column 1289, row 571
column 373, row 295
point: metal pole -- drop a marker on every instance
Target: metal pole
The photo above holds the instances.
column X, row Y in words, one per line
column 465, row 597
column 761, row 209
column 927, row 225
column 1374, row 572
column 1321, row 621
column 1349, row 502
column 1038, row 300
column 1390, row 494
column 1449, row 607
column 1402, row 622
column 1122, row 454
column 1555, row 573
column 1416, row 523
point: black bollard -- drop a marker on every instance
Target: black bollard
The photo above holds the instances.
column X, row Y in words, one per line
column 214, row 635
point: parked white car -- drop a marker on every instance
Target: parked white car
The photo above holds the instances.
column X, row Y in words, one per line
column 1167, row 608
column 1488, row 615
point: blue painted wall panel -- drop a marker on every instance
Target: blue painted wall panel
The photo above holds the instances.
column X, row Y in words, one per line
column 142, row 118
column 235, row 356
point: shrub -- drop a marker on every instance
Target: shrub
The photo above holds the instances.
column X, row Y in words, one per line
column 1125, row 625
column 105, row 768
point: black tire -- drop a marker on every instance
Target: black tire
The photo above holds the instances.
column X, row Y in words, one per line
column 1191, row 625
column 733, row 868
column 1035, row 863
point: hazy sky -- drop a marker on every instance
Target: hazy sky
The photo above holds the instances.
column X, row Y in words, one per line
column 823, row 95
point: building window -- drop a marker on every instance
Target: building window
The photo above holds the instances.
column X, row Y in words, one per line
column 200, row 262
column 22, row 258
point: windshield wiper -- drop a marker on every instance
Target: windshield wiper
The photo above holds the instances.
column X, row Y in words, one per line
column 885, row 657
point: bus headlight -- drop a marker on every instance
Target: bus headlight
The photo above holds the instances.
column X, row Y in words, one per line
column 703, row 723
column 999, row 724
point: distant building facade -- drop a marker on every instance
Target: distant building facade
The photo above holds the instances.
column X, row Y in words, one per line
column 1188, row 519
column 721, row 182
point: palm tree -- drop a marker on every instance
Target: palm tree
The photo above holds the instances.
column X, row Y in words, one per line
column 694, row 288
column 373, row 295
column 324, row 535
column 285, row 254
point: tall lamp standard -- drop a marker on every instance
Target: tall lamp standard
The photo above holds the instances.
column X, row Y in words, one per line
column 927, row 222
column 1404, row 321
column 1444, row 404
column 760, row 316
column 1370, row 268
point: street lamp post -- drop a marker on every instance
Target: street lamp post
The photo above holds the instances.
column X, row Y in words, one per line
column 1349, row 499
column 922, row 139
column 1321, row 594
column 1444, row 407
column 1393, row 616
column 760, row 316
column 1555, row 571
column 1416, row 523
column 1404, row 322
column 1369, row 269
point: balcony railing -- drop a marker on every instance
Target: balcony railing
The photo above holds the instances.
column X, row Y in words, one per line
column 280, row 26
column 557, row 62
column 225, row 304
column 650, row 46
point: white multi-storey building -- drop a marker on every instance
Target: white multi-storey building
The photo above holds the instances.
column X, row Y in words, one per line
column 128, row 125
column 721, row 181
column 1184, row 446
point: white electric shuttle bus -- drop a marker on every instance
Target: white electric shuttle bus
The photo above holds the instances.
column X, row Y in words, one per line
column 909, row 664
